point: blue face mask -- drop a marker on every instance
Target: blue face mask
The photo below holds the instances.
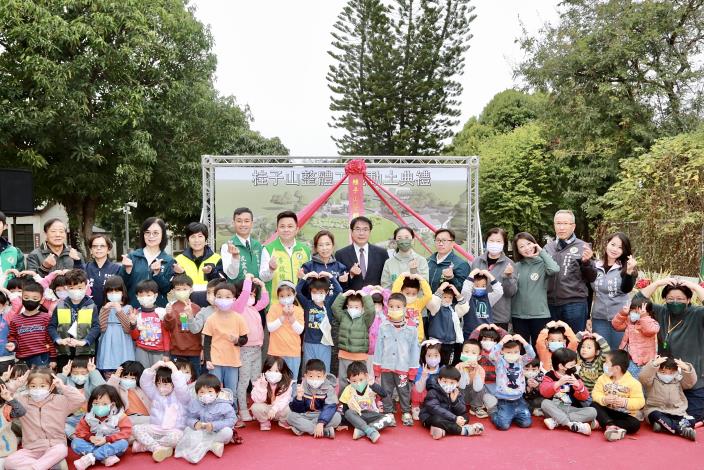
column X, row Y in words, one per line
column 555, row 345
column 480, row 291
column 101, row 410
column 634, row 316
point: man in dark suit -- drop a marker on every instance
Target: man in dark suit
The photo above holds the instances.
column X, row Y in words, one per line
column 364, row 262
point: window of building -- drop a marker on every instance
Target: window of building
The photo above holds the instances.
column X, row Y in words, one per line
column 23, row 237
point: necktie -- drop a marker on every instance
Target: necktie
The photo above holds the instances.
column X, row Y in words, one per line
column 246, row 245
column 362, row 263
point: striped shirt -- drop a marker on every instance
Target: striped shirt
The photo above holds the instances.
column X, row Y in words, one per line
column 30, row 335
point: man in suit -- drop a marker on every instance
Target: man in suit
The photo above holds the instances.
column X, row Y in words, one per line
column 364, row 262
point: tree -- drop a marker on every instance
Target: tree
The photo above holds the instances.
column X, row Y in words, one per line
column 395, row 81
column 106, row 102
column 659, row 198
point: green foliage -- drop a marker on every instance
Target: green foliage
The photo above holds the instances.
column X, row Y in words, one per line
column 661, row 194
column 394, row 79
column 470, row 138
column 516, row 182
column 511, row 108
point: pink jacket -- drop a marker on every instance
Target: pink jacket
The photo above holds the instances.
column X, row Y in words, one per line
column 259, row 394
column 43, row 424
column 255, row 337
column 640, row 338
column 374, row 328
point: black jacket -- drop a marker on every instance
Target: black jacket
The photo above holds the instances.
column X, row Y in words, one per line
column 377, row 257
column 438, row 403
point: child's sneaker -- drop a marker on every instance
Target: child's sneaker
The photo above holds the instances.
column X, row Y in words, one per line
column 265, row 426
column 538, row 413
column 415, row 412
column 296, row 431
column 407, row 419
column 138, row 447
column 246, row 416
column 374, row 436
column 594, row 425
column 284, row 424
column 479, row 412
column 437, row 433
column 689, row 433
column 239, row 424
column 110, row 461
column 472, row 429
column 217, row 448
column 358, row 434
column 582, row 428
column 614, row 433
column 84, row 462
column 388, row 421
column 657, row 427
column 162, row 453
column 329, row 432
column 550, row 423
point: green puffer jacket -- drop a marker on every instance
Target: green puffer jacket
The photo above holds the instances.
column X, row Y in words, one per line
column 354, row 332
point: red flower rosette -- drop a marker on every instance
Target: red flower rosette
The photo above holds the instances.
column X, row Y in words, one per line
column 356, row 167
column 643, row 282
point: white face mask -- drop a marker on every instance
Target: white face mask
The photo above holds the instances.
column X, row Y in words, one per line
column 448, row 388
column 251, row 301
column 182, row 295
column 49, row 295
column 38, row 394
column 355, row 312
column 15, row 295
column 411, row 298
column 666, row 378
column 318, row 298
column 272, row 376
column 494, row 247
column 207, row 398
column 488, row 345
column 115, row 297
column 286, row 300
column 62, row 294
column 76, row 294
column 79, row 379
column 531, row 374
column 446, row 304
column 315, row 383
column 146, row 301
column 512, row 358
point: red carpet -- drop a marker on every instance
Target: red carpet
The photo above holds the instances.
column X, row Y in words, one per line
column 411, row 448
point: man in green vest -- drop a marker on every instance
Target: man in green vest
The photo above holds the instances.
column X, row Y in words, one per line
column 282, row 258
column 241, row 255
column 10, row 256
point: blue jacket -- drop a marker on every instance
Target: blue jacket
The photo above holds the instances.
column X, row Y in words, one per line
column 141, row 272
column 441, row 326
column 219, row 413
column 97, row 277
column 334, row 267
column 4, row 332
column 397, row 350
column 460, row 270
column 314, row 315
column 438, row 403
column 323, row 399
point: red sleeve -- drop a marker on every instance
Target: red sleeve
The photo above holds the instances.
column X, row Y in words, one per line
column 580, row 392
column 125, row 431
column 166, row 338
column 83, row 430
column 547, row 387
column 412, row 374
column 377, row 370
column 12, row 335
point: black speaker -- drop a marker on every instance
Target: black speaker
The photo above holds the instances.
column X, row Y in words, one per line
column 16, row 192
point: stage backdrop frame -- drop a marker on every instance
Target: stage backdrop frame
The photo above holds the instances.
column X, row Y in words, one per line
column 210, row 163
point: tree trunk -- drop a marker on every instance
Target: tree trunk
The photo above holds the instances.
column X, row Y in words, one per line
column 88, row 211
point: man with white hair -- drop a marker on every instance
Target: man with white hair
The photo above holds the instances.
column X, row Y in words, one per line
column 567, row 290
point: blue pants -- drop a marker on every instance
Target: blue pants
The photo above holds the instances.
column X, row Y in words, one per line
column 82, row 447
column 604, row 328
column 293, row 363
column 229, row 376
column 317, row 351
column 529, row 328
column 574, row 314
column 672, row 423
column 508, row 411
column 39, row 360
column 195, row 362
column 695, row 403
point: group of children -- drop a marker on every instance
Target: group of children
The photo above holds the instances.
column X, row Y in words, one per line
column 175, row 380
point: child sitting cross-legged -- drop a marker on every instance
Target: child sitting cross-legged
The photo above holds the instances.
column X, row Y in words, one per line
column 444, row 410
column 271, row 393
column 314, row 408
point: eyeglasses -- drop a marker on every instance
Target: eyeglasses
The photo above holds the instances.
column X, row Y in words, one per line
column 152, row 234
column 442, row 241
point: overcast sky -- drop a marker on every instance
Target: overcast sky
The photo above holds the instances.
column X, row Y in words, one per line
column 272, row 56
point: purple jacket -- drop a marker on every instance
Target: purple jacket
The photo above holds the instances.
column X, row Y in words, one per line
column 166, row 412
column 219, row 413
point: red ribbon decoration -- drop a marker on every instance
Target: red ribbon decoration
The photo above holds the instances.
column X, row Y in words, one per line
column 356, row 170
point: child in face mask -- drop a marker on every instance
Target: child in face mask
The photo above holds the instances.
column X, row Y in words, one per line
column 592, row 350
column 665, row 379
column 271, row 393
column 10, row 409
column 210, row 415
column 510, row 382
column 444, row 410
column 410, row 285
column 565, row 395
column 191, row 374
column 147, row 327
column 167, row 389
column 354, row 312
column 396, row 358
column 82, row 374
column 555, row 335
column 534, row 377
column 55, row 289
column 103, row 433
column 472, row 382
column 126, row 382
column 115, row 345
column 359, row 404
column 481, row 300
column 379, row 296
column 640, row 331
column 488, row 336
column 446, row 308
column 28, row 335
column 251, row 351
column 184, row 343
column 197, row 322
column 314, row 407
column 43, row 438
column 285, row 322
column 315, row 295
column 430, row 363
column 223, row 334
